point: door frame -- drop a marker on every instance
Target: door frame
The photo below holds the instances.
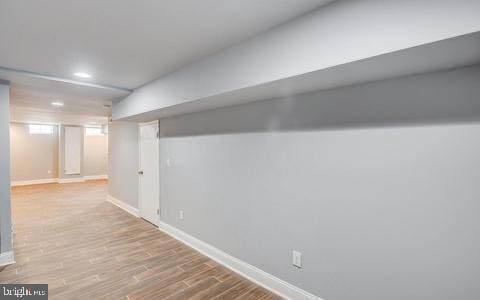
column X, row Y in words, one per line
column 157, row 152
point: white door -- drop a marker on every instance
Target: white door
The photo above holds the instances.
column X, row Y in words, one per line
column 149, row 173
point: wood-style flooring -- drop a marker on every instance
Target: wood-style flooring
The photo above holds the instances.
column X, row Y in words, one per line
column 68, row 236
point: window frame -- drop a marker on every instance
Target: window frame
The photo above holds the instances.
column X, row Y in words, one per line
column 93, row 131
column 41, row 129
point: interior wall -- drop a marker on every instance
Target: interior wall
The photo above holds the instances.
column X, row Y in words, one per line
column 33, row 156
column 36, row 156
column 95, row 155
column 376, row 184
column 5, row 205
column 123, row 162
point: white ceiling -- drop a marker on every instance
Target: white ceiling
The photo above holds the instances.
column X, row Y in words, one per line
column 31, row 98
column 130, row 42
column 39, row 93
column 122, row 44
column 42, row 116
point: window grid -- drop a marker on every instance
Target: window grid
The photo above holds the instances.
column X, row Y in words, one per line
column 90, row 131
column 40, row 129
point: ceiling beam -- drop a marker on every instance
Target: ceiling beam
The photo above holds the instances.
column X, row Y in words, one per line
column 64, row 80
column 344, row 32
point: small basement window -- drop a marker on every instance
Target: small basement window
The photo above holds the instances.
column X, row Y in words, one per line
column 93, row 131
column 40, row 129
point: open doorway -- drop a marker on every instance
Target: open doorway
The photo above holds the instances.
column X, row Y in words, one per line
column 50, row 153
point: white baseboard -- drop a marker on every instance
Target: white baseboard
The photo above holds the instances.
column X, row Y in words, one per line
column 95, row 177
column 262, row 278
column 58, row 180
column 71, row 180
column 130, row 209
column 6, row 258
column 31, row 182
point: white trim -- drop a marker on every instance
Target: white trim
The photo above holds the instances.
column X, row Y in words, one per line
column 6, row 258
column 71, row 180
column 268, row 281
column 95, row 177
column 57, row 180
column 130, row 209
column 31, row 182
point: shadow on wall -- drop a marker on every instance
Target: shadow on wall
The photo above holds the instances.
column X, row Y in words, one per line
column 441, row 97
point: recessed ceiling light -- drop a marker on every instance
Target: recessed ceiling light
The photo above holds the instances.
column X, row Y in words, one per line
column 57, row 103
column 82, row 75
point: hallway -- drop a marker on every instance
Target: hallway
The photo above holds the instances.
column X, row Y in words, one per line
column 68, row 236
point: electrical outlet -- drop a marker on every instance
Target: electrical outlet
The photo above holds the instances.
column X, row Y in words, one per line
column 169, row 162
column 180, row 214
column 49, row 171
column 297, row 259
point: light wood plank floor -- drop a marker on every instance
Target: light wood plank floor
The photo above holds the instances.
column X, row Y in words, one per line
column 86, row 248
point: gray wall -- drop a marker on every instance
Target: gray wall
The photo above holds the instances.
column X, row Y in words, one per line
column 5, row 208
column 123, row 162
column 95, row 155
column 33, row 156
column 377, row 185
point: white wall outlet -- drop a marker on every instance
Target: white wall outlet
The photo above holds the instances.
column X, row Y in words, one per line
column 49, row 171
column 297, row 259
column 169, row 162
column 180, row 214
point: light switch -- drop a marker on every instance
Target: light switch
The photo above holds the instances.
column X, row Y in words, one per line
column 297, row 259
